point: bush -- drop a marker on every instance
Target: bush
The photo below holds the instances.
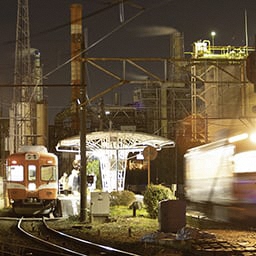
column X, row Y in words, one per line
column 153, row 195
column 122, row 198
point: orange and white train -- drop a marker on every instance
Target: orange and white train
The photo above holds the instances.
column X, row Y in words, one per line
column 32, row 181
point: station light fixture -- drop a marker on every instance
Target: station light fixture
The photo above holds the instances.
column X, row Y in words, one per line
column 213, row 34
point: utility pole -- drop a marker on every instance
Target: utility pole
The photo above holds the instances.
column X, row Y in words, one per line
column 83, row 171
column 78, row 83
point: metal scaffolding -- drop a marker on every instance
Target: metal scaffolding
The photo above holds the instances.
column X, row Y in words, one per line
column 222, row 99
column 112, row 149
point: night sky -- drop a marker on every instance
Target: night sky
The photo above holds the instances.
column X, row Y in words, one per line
column 145, row 36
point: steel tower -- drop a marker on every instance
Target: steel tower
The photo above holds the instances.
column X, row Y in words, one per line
column 25, row 113
column 22, row 73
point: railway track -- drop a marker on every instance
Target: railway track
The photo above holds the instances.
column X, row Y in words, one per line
column 62, row 243
column 58, row 243
column 200, row 243
column 11, row 243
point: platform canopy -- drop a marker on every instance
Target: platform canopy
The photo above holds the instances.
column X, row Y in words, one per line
column 112, row 149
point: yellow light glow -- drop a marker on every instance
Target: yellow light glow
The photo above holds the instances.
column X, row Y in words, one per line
column 239, row 137
column 213, row 33
column 140, row 156
column 253, row 137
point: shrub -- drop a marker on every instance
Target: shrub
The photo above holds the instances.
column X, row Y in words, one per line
column 153, row 195
column 122, row 198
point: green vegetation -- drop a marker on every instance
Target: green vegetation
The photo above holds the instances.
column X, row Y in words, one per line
column 93, row 168
column 123, row 211
column 125, row 198
column 153, row 195
column 121, row 230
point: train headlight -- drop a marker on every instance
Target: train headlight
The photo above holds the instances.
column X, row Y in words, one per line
column 31, row 186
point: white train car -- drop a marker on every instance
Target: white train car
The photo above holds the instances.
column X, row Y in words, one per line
column 221, row 176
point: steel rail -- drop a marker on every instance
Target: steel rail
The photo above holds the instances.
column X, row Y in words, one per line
column 98, row 249
column 102, row 248
column 64, row 250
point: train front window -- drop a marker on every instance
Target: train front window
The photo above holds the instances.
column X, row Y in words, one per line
column 48, row 173
column 15, row 173
column 31, row 172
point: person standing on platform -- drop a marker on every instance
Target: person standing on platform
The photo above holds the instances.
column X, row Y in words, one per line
column 64, row 184
column 73, row 179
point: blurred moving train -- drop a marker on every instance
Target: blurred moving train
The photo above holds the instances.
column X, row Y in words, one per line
column 32, row 181
column 220, row 178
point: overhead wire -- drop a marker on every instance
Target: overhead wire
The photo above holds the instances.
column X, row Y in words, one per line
column 94, row 44
column 53, row 29
column 143, row 10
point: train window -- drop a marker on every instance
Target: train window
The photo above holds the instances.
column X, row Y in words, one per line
column 48, row 173
column 31, row 172
column 15, row 173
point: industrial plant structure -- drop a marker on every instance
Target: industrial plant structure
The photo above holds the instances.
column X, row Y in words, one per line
column 190, row 98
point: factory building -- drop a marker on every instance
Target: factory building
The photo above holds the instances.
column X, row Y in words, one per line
column 222, row 98
column 199, row 97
